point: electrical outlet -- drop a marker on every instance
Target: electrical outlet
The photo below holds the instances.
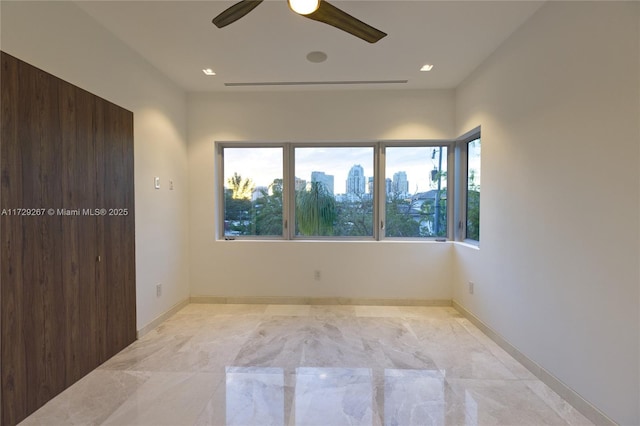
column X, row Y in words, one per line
column 158, row 290
column 471, row 285
column 316, row 275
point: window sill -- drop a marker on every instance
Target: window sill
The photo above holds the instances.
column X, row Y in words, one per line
column 352, row 241
column 474, row 246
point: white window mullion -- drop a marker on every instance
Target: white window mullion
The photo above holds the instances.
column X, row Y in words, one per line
column 289, row 193
column 380, row 193
column 461, row 190
column 453, row 182
column 219, row 192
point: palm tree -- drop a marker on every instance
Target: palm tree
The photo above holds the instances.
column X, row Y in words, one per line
column 268, row 210
column 315, row 210
column 237, row 204
column 242, row 187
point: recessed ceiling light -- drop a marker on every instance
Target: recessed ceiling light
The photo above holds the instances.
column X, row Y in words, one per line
column 427, row 67
column 208, row 71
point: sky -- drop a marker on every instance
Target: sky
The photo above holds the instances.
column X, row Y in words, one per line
column 263, row 165
column 333, row 161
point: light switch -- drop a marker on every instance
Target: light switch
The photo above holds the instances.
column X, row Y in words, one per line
column 171, row 185
column 156, row 182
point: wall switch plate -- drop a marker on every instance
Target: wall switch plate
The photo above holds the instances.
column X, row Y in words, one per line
column 158, row 290
column 156, row 182
column 171, row 185
column 316, row 275
column 471, row 285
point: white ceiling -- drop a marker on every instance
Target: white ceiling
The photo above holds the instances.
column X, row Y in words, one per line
column 270, row 44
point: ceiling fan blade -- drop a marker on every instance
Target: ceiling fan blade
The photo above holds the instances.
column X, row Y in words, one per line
column 235, row 12
column 331, row 15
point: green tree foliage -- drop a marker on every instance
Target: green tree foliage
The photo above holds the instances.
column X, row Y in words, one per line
column 355, row 218
column 435, row 218
column 268, row 210
column 315, row 210
column 399, row 222
column 237, row 205
column 319, row 214
column 237, row 214
column 473, row 208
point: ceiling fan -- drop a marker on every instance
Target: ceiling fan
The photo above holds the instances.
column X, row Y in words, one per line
column 318, row 10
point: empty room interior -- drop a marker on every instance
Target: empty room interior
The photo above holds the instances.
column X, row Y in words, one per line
column 285, row 221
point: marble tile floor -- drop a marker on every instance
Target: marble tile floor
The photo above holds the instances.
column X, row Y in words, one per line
column 244, row 365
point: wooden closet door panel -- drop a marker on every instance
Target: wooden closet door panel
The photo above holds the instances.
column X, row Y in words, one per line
column 70, row 235
column 38, row 314
column 100, row 296
column 45, row 322
column 78, row 183
column 12, row 364
column 119, row 235
column 88, row 127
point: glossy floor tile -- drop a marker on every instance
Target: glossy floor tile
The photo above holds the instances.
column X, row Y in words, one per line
column 254, row 396
column 292, row 365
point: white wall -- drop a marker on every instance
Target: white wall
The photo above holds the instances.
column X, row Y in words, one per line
column 61, row 39
column 392, row 270
column 557, row 270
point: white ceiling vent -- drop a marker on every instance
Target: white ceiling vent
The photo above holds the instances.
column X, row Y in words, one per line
column 315, row 83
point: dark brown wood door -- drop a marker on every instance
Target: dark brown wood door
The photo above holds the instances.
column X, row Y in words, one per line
column 67, row 289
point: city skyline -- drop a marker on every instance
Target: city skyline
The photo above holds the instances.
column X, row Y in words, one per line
column 263, row 165
column 357, row 183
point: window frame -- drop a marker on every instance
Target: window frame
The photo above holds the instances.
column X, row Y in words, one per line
column 381, row 183
column 456, row 181
column 291, row 214
column 462, row 172
column 220, row 185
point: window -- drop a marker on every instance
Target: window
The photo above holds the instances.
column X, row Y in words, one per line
column 334, row 191
column 473, row 191
column 366, row 191
column 416, row 191
column 253, row 191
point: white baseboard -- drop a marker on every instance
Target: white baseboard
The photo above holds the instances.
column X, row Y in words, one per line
column 161, row 318
column 318, row 301
column 572, row 397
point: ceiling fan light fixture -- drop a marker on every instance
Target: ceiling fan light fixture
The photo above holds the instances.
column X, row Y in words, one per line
column 304, row 7
column 208, row 71
column 317, row 10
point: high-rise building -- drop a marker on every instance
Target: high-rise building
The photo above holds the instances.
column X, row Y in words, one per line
column 388, row 186
column 370, row 185
column 400, row 183
column 259, row 192
column 356, row 181
column 326, row 180
column 300, row 184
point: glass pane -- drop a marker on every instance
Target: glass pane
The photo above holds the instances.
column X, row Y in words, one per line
column 416, row 190
column 473, row 190
column 252, row 191
column 334, row 191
